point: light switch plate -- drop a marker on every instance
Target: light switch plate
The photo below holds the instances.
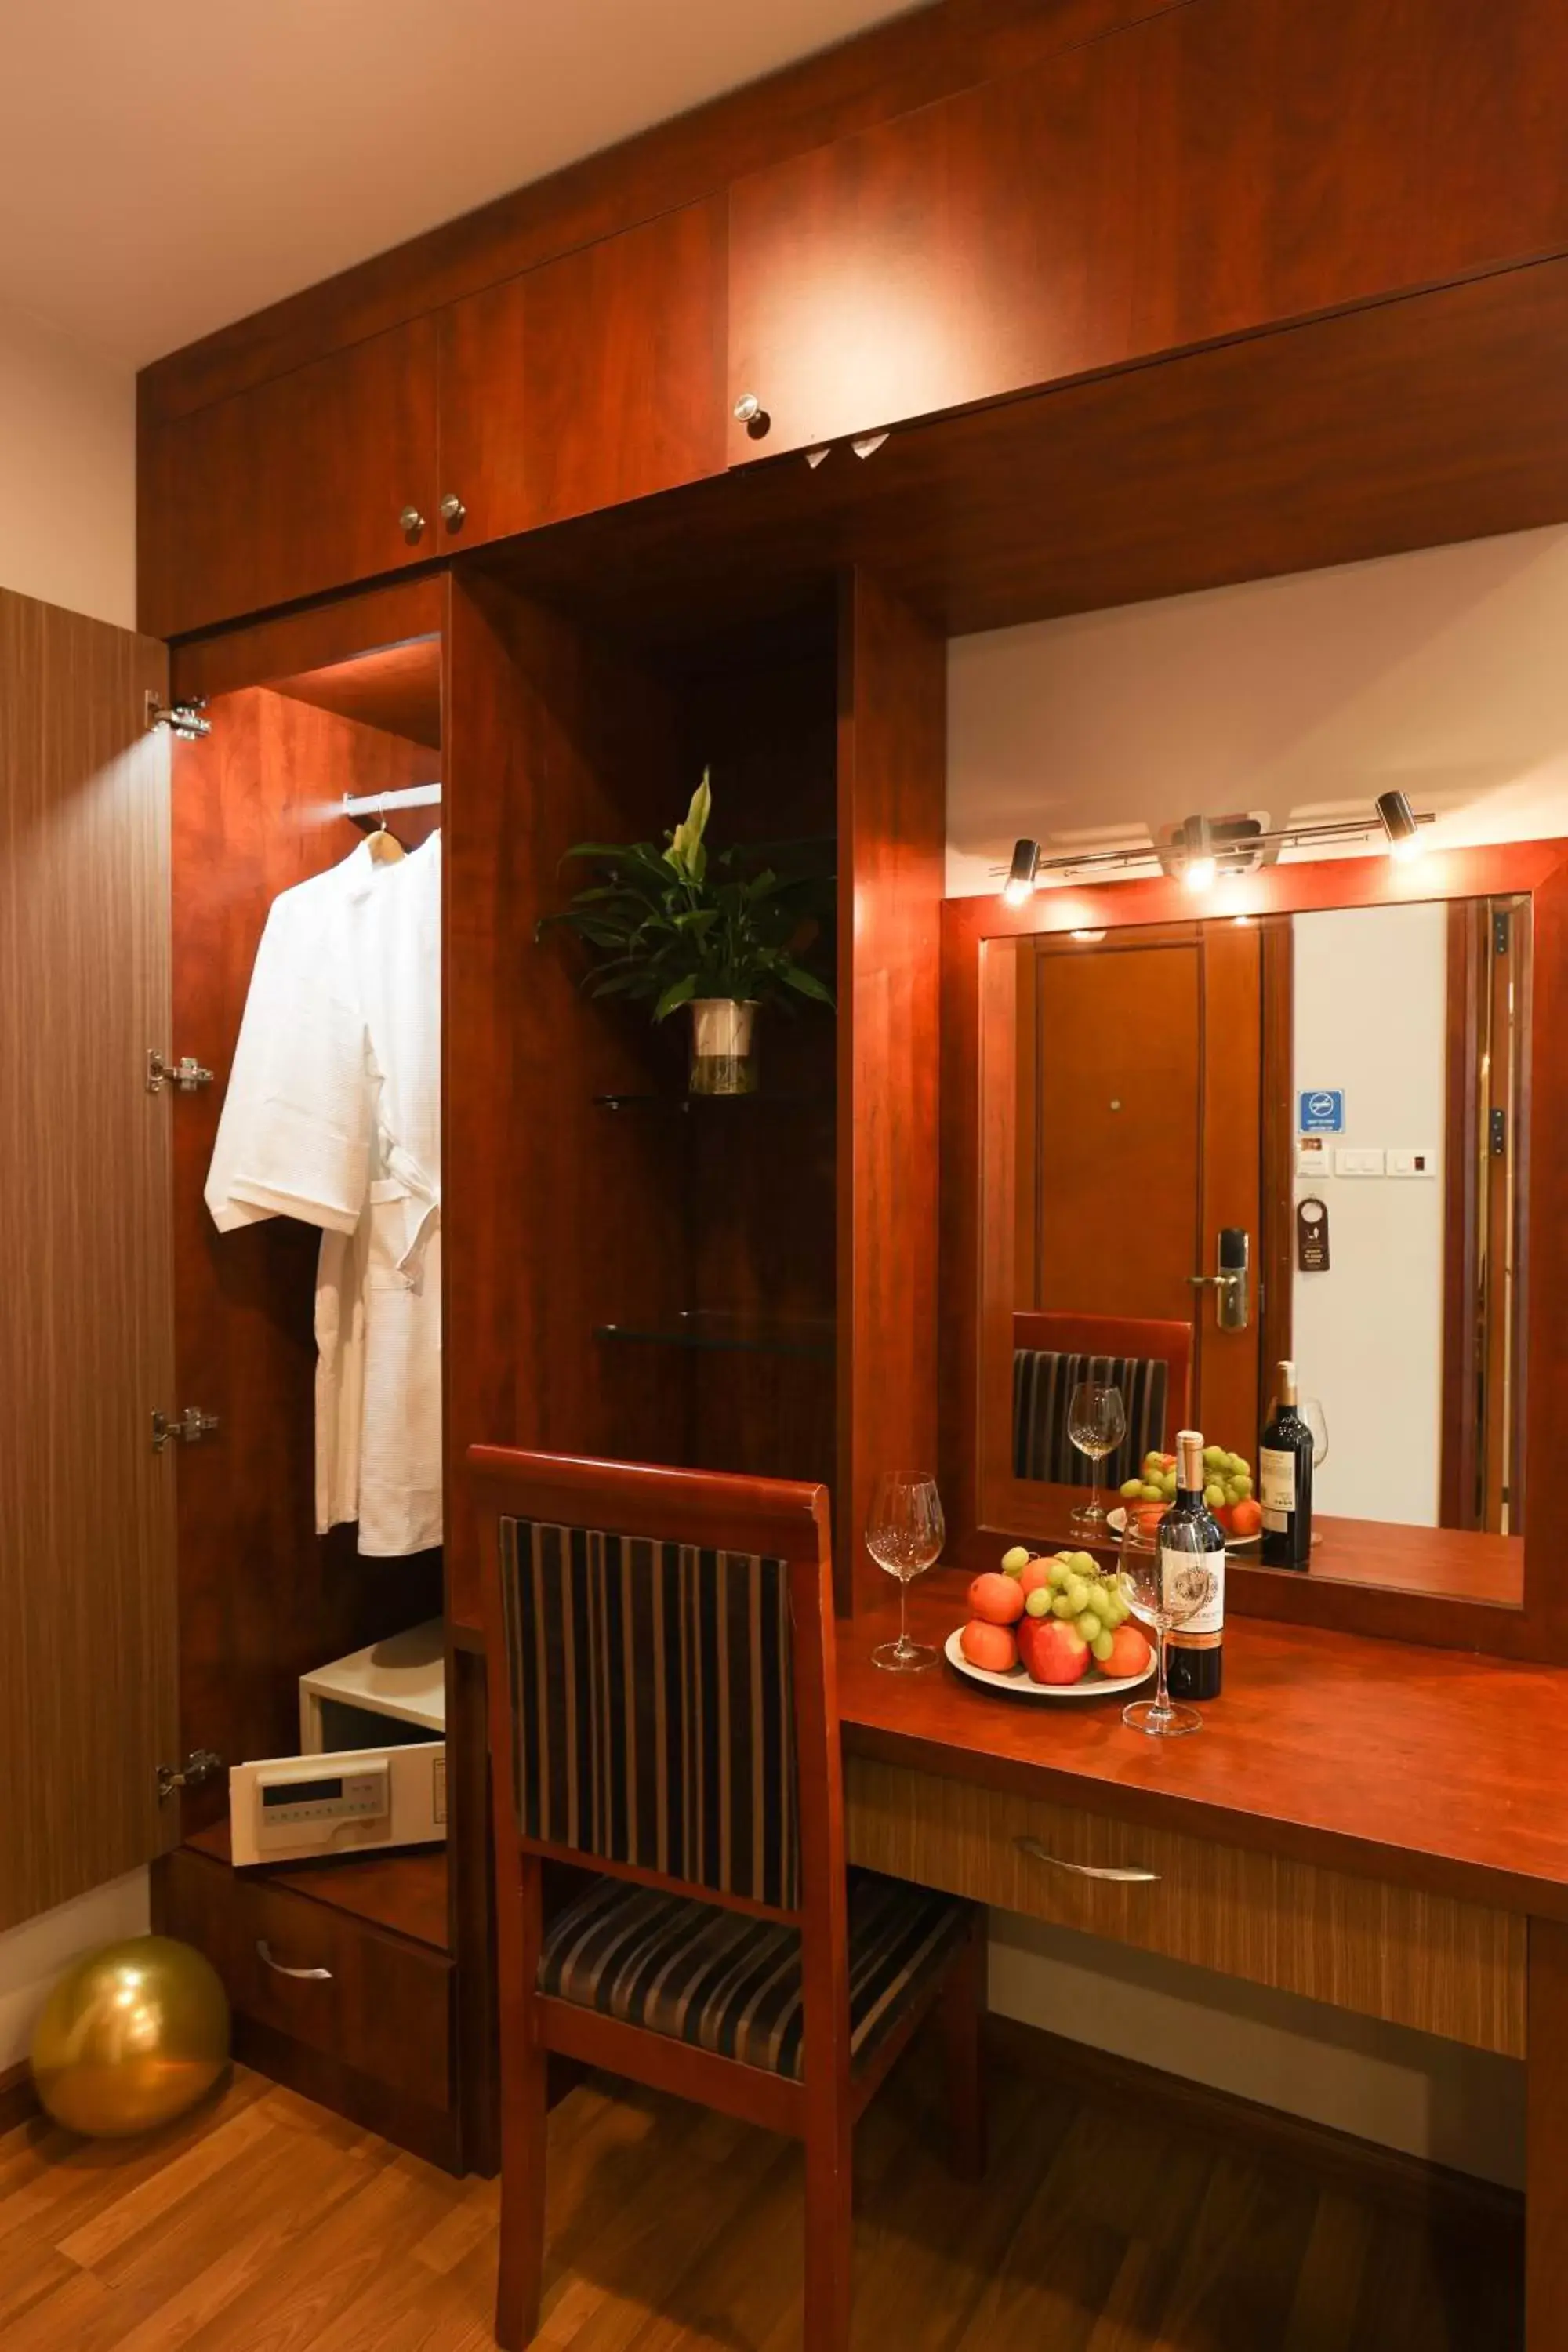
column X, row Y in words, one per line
column 1357, row 1160
column 1412, row 1163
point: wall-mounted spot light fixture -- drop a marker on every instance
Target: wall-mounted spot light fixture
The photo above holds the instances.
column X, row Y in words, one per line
column 1204, row 850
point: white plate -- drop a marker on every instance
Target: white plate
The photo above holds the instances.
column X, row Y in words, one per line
column 1117, row 1519
column 1094, row 1684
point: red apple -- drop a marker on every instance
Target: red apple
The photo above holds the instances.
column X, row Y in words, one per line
column 996, row 1598
column 987, row 1645
column 1052, row 1650
column 1128, row 1654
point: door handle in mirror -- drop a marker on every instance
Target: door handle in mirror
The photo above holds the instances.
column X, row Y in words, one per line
column 1233, row 1284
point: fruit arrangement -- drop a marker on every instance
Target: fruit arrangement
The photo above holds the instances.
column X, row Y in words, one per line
column 1058, row 1618
column 1227, row 1489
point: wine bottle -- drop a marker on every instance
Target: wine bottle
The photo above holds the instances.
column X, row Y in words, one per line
column 1188, row 1532
column 1285, row 1481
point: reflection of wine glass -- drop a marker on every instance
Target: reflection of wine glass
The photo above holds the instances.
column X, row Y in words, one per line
column 1097, row 1423
column 1165, row 1589
column 904, row 1534
column 1311, row 1412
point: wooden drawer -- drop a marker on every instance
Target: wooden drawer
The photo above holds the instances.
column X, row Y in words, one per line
column 386, row 2008
column 1426, row 1960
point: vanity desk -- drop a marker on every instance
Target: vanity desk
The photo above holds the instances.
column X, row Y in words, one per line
column 1363, row 1823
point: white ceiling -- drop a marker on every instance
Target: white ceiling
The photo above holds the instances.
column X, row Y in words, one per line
column 167, row 165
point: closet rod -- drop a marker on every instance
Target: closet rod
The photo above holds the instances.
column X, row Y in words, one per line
column 411, row 796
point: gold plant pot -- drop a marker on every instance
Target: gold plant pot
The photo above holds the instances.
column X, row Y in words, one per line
column 722, row 1059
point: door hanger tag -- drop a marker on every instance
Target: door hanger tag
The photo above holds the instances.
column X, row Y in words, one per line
column 1311, row 1236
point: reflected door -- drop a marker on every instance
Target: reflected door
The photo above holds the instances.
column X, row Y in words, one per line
column 1140, row 1138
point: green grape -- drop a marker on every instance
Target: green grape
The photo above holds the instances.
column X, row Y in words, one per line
column 1152, row 1493
column 1060, row 1604
column 1241, row 1487
column 1037, row 1603
column 1130, row 1488
column 1215, row 1495
column 1102, row 1645
column 1078, row 1593
column 1088, row 1627
column 1058, row 1574
column 1215, row 1457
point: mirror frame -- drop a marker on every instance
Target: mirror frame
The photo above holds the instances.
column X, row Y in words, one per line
column 978, row 1043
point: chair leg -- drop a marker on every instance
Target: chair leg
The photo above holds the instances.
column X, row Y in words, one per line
column 829, row 2228
column 962, row 2005
column 524, row 2111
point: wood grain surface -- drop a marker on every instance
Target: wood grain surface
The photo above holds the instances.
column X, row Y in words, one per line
column 87, row 1525
column 1129, row 2212
column 1407, row 1765
column 1448, row 1967
column 292, row 487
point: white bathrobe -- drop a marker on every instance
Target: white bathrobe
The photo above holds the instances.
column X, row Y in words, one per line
column 332, row 1116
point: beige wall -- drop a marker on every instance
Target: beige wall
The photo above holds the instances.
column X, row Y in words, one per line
column 68, row 473
column 1444, row 672
column 67, row 536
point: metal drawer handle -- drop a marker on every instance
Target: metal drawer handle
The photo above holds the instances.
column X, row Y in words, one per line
column 1084, row 1870
column 264, row 1951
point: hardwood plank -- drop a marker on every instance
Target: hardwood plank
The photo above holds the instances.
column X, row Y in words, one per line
column 1112, row 2226
column 1546, row 2177
column 86, row 1560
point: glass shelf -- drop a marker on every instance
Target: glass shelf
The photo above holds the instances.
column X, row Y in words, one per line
column 679, row 1105
column 740, row 1334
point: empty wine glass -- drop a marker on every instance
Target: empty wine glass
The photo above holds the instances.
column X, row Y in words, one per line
column 1165, row 1589
column 904, row 1534
column 1097, row 1423
column 1311, row 1412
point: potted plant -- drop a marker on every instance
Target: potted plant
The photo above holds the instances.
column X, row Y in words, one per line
column 724, row 935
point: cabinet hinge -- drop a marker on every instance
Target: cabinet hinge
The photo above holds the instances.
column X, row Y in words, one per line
column 199, row 1767
column 182, row 719
column 190, row 1428
column 187, row 1073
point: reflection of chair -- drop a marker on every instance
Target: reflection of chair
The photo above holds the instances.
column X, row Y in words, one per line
column 663, row 1713
column 1150, row 1363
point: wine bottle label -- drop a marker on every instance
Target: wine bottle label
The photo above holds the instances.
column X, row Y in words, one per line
column 1204, row 1624
column 1277, row 1487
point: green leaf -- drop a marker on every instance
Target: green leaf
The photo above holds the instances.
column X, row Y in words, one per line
column 679, row 992
column 807, row 983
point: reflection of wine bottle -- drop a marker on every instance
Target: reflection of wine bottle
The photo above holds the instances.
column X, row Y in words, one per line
column 1285, row 1481
column 1190, row 1533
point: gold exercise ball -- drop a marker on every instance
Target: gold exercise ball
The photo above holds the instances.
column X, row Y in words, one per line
column 132, row 2036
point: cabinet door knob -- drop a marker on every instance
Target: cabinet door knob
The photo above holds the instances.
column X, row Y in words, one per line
column 454, row 513
column 411, row 523
column 749, row 411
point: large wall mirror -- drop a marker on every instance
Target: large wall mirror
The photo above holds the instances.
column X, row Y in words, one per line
column 1306, row 1129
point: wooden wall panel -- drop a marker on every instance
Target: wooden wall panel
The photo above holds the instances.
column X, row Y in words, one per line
column 87, row 1597
column 290, row 489
column 1443, row 1966
column 558, row 1220
column 597, row 379
column 262, row 1598
column 892, row 816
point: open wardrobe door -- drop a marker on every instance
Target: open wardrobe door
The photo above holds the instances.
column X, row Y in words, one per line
column 87, row 1708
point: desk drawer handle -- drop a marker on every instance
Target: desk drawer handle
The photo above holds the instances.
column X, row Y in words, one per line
column 264, row 1951
column 1084, row 1870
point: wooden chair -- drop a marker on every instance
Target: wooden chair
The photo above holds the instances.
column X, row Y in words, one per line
column 660, row 1661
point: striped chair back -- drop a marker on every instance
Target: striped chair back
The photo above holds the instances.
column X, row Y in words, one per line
column 1043, row 1381
column 652, row 1706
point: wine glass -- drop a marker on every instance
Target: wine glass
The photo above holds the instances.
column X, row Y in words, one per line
column 1165, row 1589
column 1097, row 1423
column 1317, row 1420
column 904, row 1534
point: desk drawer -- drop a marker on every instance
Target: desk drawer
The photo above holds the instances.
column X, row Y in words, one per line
column 383, row 2009
column 1425, row 1960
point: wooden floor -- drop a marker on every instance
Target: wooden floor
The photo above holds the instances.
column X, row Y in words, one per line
column 266, row 2225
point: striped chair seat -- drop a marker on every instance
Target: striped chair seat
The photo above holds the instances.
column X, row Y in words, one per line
column 731, row 1983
